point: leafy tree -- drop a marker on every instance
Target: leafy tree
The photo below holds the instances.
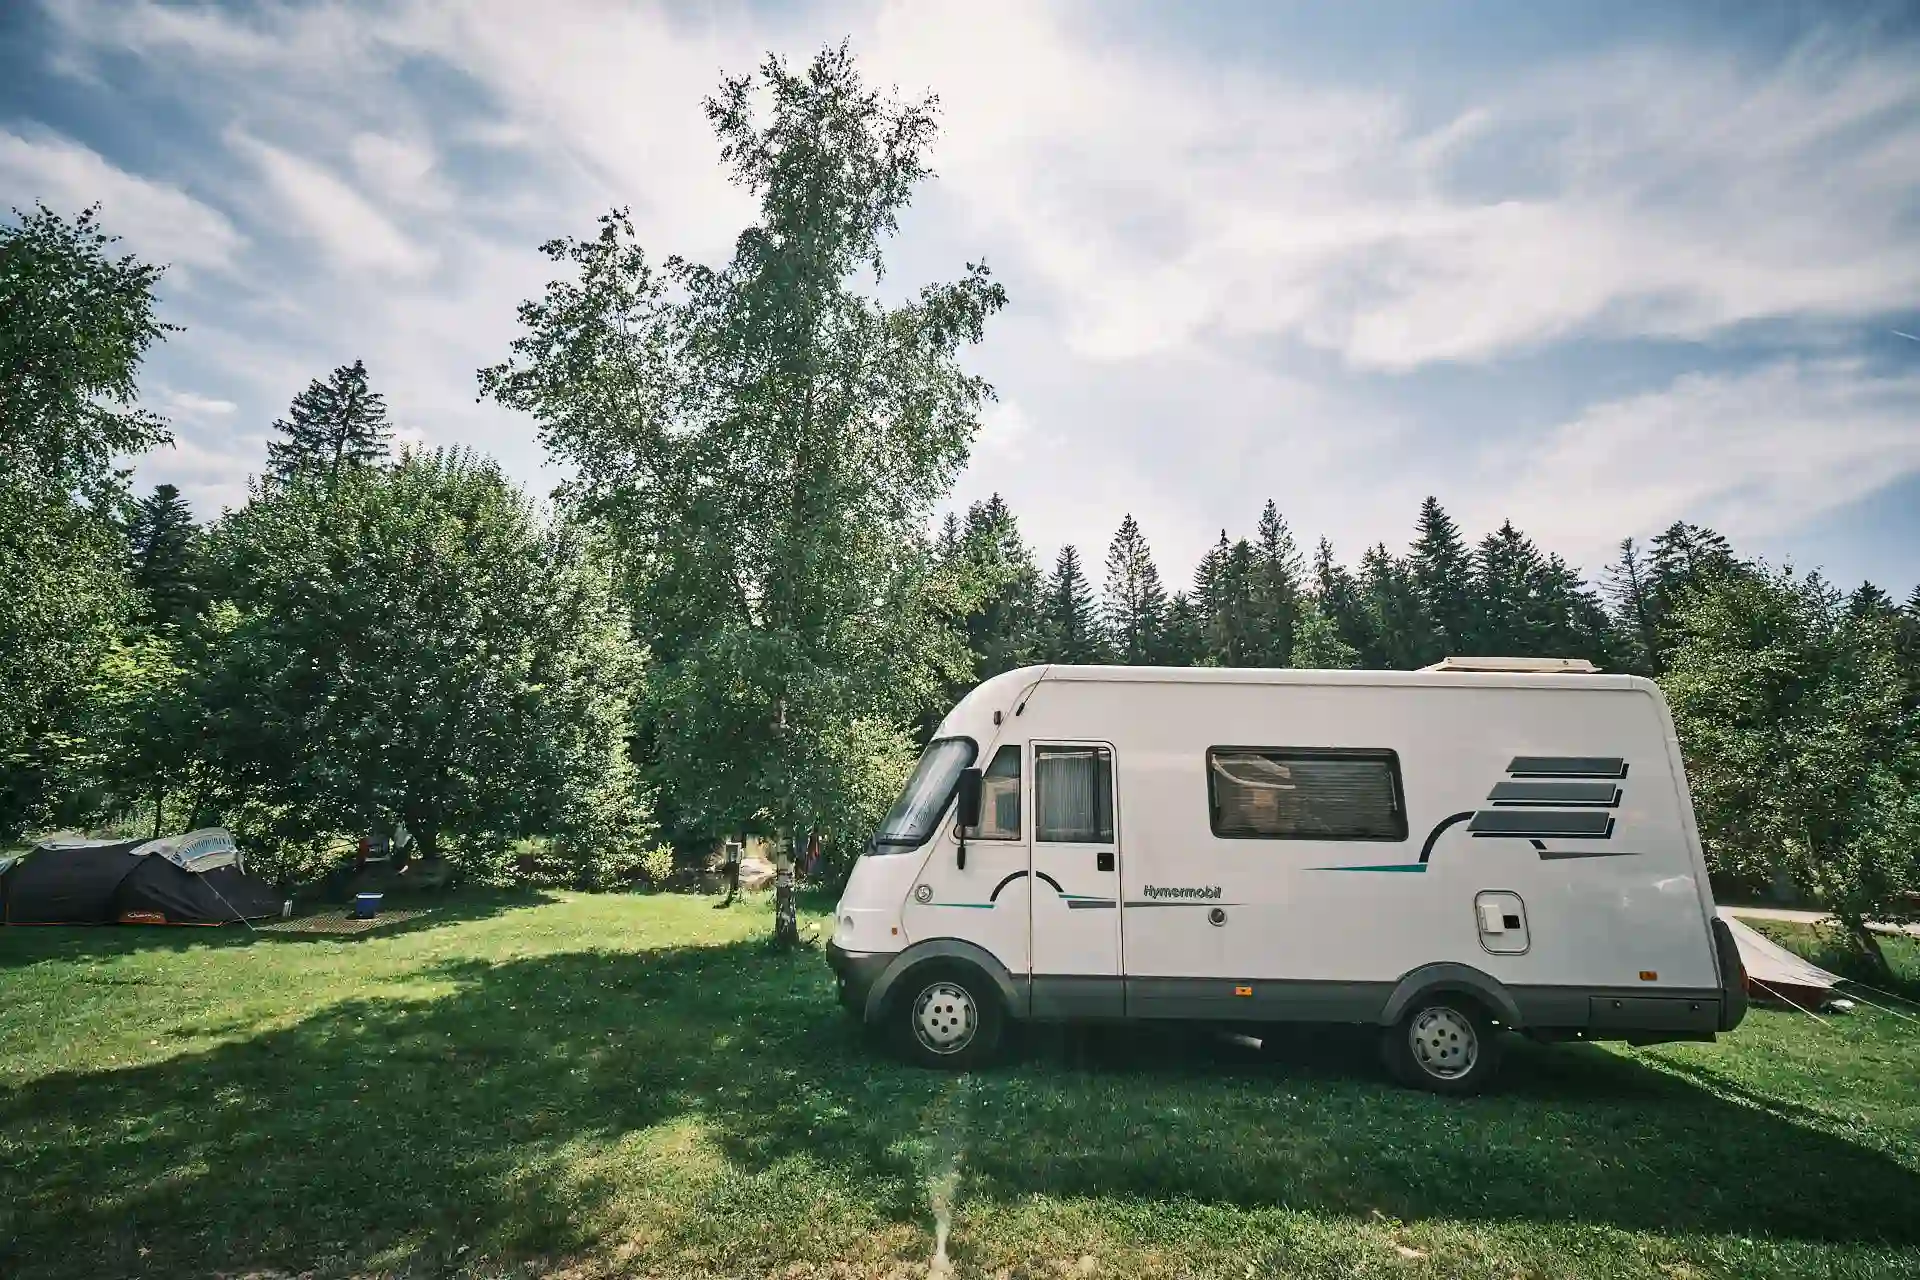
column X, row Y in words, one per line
column 1277, row 589
column 135, row 739
column 66, row 601
column 331, row 426
column 75, row 324
column 1801, row 755
column 416, row 643
column 765, row 439
column 1317, row 644
column 1071, row 623
column 165, row 544
column 1134, row 611
column 1442, row 573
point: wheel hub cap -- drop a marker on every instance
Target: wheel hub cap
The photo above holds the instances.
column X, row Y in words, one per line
column 1443, row 1043
column 944, row 1018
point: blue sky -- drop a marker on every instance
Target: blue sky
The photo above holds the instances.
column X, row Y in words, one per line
column 1591, row 269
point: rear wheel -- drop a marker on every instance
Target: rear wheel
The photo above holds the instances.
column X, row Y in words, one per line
column 946, row 1016
column 1444, row 1044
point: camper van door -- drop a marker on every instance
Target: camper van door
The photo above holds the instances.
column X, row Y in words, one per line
column 1075, row 882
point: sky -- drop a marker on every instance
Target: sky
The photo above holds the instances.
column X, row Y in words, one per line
column 1592, row 269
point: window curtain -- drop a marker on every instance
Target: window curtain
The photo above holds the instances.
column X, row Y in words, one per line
column 1074, row 795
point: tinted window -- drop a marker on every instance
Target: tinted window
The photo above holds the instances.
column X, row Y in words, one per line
column 1000, row 797
column 1286, row 793
column 1073, row 795
column 924, row 799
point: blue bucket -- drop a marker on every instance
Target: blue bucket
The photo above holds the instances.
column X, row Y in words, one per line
column 366, row 905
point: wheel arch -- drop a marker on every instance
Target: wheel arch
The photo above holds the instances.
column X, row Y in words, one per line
column 1449, row 978
column 951, row 950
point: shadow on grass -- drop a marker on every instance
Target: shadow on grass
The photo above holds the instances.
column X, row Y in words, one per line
column 31, row 944
column 408, row 1129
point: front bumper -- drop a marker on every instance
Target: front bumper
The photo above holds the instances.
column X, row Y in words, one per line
column 855, row 972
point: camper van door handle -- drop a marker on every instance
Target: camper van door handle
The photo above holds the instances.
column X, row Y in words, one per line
column 1103, row 861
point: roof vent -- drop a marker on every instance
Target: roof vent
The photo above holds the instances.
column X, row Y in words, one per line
column 1539, row 666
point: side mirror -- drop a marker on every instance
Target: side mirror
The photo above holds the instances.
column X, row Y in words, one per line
column 969, row 794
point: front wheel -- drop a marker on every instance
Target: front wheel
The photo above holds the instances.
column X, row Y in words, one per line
column 1444, row 1044
column 947, row 1016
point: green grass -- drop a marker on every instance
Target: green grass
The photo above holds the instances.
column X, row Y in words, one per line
column 635, row 1086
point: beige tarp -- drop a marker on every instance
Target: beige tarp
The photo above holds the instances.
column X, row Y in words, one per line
column 1772, row 969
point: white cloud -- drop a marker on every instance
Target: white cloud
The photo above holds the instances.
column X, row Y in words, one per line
column 403, row 170
column 1165, row 201
column 157, row 219
column 1212, row 266
column 1753, row 454
column 351, row 231
column 211, row 469
column 190, row 404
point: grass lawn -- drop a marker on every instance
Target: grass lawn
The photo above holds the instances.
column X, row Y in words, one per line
column 623, row 1085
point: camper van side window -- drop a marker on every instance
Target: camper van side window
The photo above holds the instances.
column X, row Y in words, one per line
column 1000, row 797
column 1294, row 793
column 1073, row 795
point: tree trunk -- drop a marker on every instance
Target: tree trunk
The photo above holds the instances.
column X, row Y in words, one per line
column 786, row 927
column 1865, row 944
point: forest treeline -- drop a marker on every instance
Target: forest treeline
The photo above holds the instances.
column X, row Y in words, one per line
column 740, row 614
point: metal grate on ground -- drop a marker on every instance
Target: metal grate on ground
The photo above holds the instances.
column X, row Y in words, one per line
column 338, row 922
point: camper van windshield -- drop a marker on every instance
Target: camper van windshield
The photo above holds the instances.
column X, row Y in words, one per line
column 920, row 805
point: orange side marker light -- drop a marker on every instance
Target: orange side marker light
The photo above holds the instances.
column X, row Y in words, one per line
column 1648, row 975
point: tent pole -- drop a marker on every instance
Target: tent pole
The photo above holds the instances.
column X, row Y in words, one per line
column 223, row 898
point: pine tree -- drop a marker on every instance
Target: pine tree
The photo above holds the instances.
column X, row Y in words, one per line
column 1629, row 593
column 1206, row 579
column 1906, row 647
column 1277, row 589
column 1509, row 571
column 1338, row 596
column 1683, row 559
column 1442, row 570
column 1397, row 616
column 1003, row 625
column 1184, row 643
column 1135, row 605
column 1232, row 631
column 1869, row 601
column 332, row 425
column 947, row 544
column 1071, row 620
column 165, row 545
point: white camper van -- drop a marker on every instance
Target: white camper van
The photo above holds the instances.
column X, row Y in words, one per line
column 1483, row 846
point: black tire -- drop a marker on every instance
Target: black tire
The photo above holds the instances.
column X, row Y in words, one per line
column 1444, row 1043
column 946, row 1016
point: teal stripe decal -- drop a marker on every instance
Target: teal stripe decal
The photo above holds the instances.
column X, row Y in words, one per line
column 977, row 906
column 1417, row 868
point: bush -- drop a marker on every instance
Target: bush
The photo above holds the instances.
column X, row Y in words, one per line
column 656, row 865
